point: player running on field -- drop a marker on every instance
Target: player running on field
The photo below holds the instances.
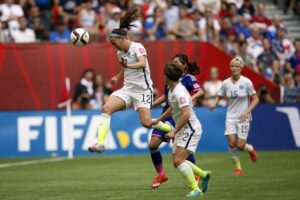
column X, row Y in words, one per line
column 137, row 89
column 187, row 132
column 158, row 137
column 238, row 89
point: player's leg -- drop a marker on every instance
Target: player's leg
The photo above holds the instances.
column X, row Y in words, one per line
column 113, row 104
column 180, row 162
column 242, row 145
column 233, row 151
column 157, row 161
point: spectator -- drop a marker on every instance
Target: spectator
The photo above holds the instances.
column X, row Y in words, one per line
column 212, row 87
column 294, row 61
column 171, row 15
column 61, row 34
column 209, row 28
column 23, row 34
column 248, row 58
column 38, row 23
column 266, row 58
column 88, row 19
column 5, row 33
column 260, row 19
column 255, row 47
column 264, row 95
column 185, row 27
column 10, row 12
column 155, row 26
column 272, row 30
column 114, row 20
column 291, row 93
column 247, row 10
column 101, row 92
column 277, row 72
column 212, row 6
column 81, row 99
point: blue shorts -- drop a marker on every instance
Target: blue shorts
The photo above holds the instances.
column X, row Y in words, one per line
column 161, row 134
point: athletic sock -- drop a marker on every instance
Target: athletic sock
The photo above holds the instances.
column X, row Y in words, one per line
column 163, row 127
column 248, row 147
column 103, row 128
column 236, row 160
column 196, row 170
column 157, row 161
column 191, row 158
column 188, row 174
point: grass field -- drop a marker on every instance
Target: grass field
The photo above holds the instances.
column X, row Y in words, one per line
column 276, row 176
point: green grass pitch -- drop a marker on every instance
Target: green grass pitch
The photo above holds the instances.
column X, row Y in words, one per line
column 276, row 176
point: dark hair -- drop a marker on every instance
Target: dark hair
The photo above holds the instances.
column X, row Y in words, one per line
column 173, row 71
column 192, row 67
column 126, row 22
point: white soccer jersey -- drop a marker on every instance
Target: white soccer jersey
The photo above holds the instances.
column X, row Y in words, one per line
column 136, row 79
column 178, row 98
column 238, row 97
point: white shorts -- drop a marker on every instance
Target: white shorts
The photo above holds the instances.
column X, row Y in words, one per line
column 137, row 99
column 239, row 128
column 188, row 138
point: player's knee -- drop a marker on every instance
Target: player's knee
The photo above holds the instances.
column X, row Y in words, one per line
column 153, row 147
column 241, row 147
column 147, row 123
column 231, row 144
column 177, row 162
column 106, row 109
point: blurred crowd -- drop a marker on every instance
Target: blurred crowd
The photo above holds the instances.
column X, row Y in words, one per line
column 239, row 27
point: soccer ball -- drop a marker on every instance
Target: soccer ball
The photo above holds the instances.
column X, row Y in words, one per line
column 79, row 37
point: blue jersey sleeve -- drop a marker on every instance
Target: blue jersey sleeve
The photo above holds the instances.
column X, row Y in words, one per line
column 190, row 83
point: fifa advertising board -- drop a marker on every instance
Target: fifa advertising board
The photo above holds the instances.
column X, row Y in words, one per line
column 45, row 133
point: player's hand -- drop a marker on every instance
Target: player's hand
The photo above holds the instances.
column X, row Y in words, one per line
column 154, row 121
column 123, row 62
column 170, row 135
column 113, row 80
column 244, row 116
column 211, row 107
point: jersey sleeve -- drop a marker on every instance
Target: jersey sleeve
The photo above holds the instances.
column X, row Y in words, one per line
column 251, row 91
column 182, row 98
column 222, row 91
column 191, row 83
column 140, row 50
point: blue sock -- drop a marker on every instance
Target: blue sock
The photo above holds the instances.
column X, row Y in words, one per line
column 157, row 161
column 191, row 158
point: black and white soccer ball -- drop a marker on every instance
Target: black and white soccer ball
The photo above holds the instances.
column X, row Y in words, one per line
column 79, row 37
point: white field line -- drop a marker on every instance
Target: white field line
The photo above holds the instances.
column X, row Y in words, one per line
column 31, row 162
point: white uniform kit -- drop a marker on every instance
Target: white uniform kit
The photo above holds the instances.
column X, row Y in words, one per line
column 238, row 97
column 189, row 136
column 137, row 89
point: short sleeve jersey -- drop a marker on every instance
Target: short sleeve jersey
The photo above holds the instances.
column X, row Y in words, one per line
column 238, row 97
column 179, row 97
column 136, row 79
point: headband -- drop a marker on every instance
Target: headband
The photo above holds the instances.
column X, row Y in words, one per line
column 115, row 35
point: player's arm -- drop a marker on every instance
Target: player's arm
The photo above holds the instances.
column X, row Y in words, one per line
column 117, row 77
column 184, row 118
column 216, row 102
column 197, row 95
column 141, row 64
column 166, row 114
column 253, row 104
column 159, row 100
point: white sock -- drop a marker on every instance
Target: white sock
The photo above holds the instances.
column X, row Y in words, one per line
column 248, row 147
column 233, row 153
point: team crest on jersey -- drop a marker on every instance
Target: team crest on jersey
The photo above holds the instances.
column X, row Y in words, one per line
column 182, row 100
column 241, row 87
column 142, row 50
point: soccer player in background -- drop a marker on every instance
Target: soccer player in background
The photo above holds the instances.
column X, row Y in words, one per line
column 137, row 89
column 238, row 89
column 187, row 132
column 158, row 137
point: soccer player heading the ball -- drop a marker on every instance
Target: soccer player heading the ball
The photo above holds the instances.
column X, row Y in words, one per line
column 187, row 132
column 137, row 89
column 238, row 89
column 189, row 81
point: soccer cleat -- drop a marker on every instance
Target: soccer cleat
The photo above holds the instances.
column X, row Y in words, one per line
column 194, row 193
column 238, row 172
column 205, row 181
column 253, row 155
column 158, row 180
column 97, row 148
